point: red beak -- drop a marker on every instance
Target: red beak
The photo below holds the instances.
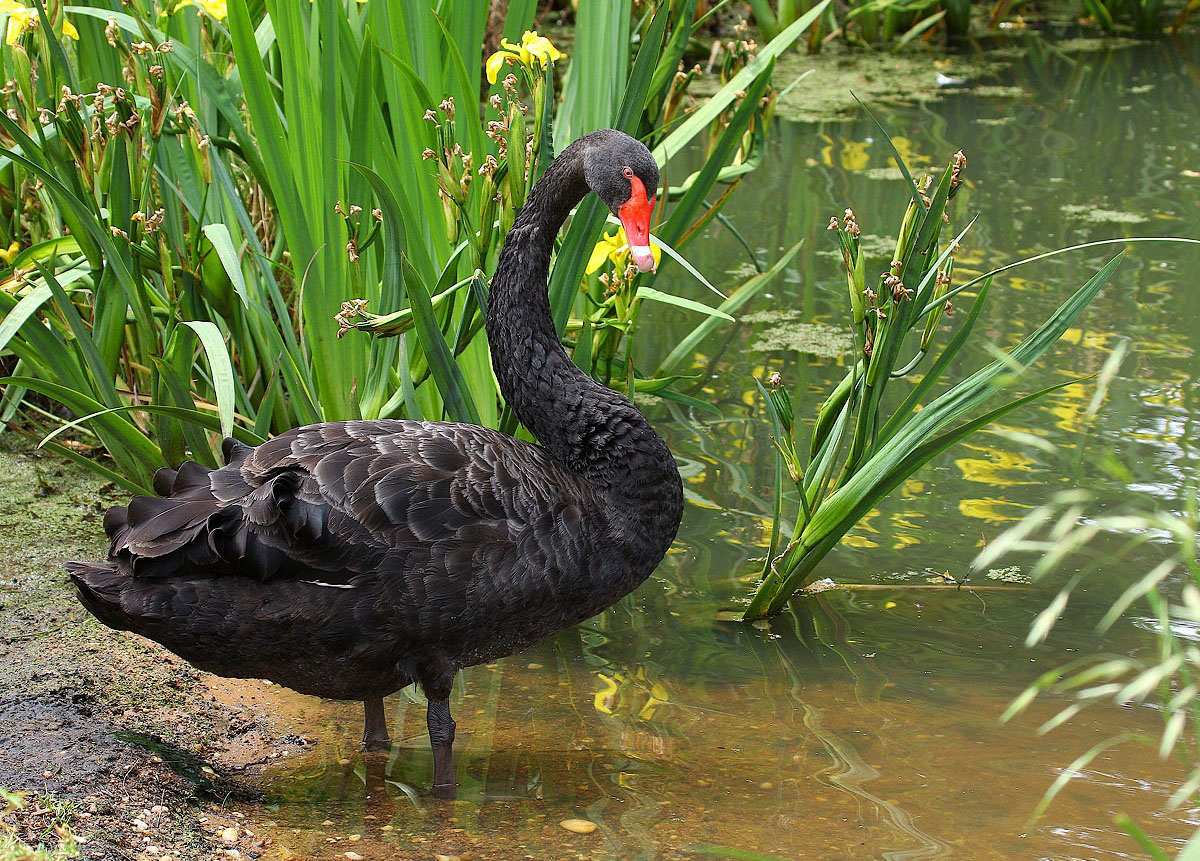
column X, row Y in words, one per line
column 635, row 218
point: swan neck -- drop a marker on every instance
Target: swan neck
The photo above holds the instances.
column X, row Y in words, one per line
column 583, row 425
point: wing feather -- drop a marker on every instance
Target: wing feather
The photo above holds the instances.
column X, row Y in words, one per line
column 454, row 513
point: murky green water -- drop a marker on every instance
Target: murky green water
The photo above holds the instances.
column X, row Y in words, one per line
column 866, row 726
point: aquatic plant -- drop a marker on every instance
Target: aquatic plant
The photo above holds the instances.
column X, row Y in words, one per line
column 188, row 198
column 871, row 23
column 1158, row 548
column 1145, row 15
column 860, row 447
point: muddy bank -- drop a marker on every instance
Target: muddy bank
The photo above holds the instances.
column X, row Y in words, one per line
column 154, row 764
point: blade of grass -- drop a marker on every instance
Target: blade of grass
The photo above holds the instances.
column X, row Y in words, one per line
column 222, row 369
column 700, row 119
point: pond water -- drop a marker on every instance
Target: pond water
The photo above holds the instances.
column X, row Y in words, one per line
column 864, row 724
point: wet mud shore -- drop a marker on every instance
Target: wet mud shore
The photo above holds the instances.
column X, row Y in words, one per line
column 124, row 744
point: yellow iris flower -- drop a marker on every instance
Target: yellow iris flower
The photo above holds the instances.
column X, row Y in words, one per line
column 9, row 254
column 533, row 48
column 217, row 9
column 616, row 249
column 22, row 18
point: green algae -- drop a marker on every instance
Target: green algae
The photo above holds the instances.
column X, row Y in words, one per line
column 839, row 74
column 1084, row 212
column 872, row 244
column 788, row 331
column 997, row 91
column 1011, row 574
column 885, row 173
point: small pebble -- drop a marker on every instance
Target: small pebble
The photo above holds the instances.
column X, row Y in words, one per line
column 354, row 856
column 578, row 826
column 229, row 835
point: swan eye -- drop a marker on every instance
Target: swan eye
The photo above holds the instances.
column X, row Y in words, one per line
column 628, row 172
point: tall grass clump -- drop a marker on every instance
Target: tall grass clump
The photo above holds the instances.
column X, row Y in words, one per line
column 865, row 443
column 197, row 200
column 1144, row 15
column 867, row 23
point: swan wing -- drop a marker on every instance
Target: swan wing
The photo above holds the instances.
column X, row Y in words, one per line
column 435, row 504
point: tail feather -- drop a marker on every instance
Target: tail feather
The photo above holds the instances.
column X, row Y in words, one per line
column 234, row 452
column 192, row 482
column 163, row 480
column 150, row 527
column 222, row 521
column 99, row 586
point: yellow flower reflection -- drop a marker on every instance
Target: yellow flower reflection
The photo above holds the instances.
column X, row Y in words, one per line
column 213, row 8
column 615, row 247
column 533, row 48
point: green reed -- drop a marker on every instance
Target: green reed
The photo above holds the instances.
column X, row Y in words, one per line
column 870, row 23
column 189, row 201
column 1144, row 15
column 864, row 444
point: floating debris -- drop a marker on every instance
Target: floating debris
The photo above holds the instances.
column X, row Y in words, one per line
column 882, row 173
column 871, row 244
column 822, row 585
column 997, row 91
column 789, row 333
column 1011, row 574
column 1085, row 212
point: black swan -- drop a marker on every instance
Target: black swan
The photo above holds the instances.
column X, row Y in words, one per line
column 350, row 559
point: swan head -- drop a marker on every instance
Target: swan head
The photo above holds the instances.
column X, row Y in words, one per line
column 623, row 173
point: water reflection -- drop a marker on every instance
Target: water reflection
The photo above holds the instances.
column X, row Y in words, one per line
column 861, row 724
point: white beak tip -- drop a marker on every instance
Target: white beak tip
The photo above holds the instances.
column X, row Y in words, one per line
column 642, row 257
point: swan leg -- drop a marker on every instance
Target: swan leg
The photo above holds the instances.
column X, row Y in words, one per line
column 375, row 734
column 441, row 738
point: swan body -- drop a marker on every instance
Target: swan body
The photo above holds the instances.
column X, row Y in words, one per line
column 349, row 559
